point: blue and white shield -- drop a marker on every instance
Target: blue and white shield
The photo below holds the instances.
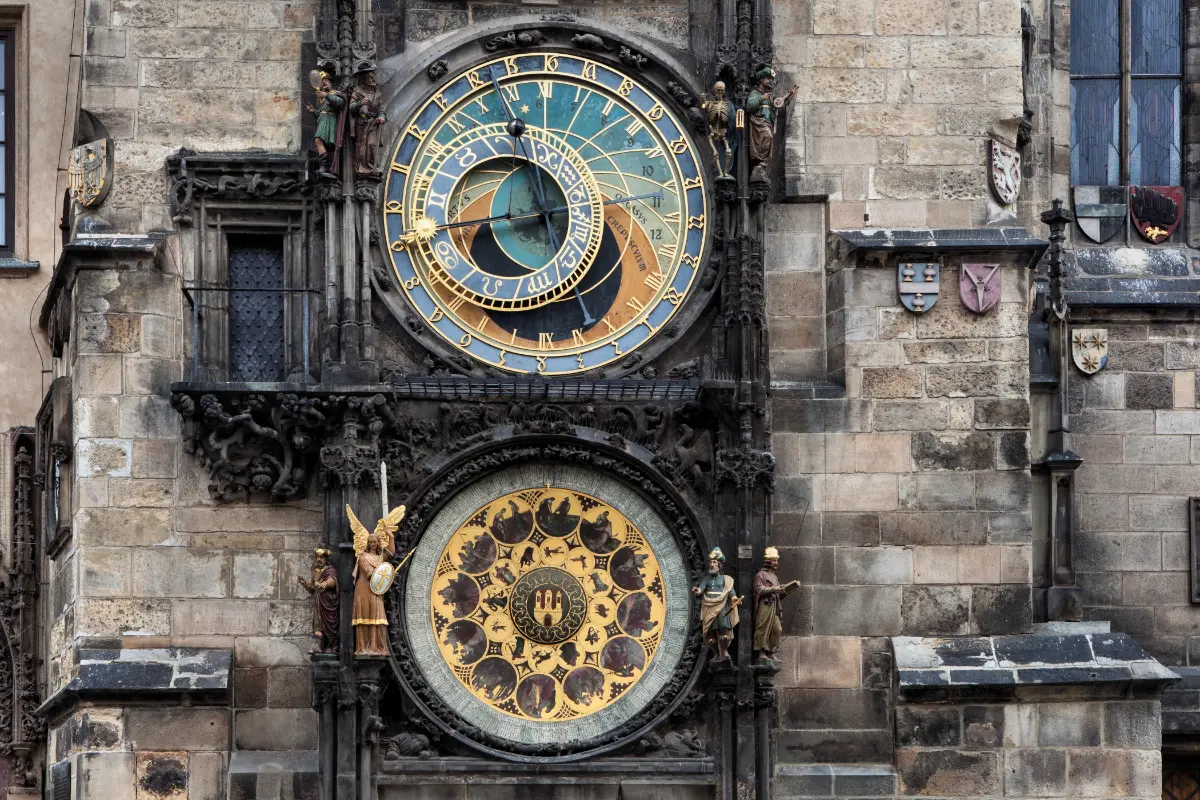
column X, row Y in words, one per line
column 918, row 284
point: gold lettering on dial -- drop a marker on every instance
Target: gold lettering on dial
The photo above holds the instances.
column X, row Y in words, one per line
column 437, row 315
column 511, row 92
column 589, row 71
column 545, row 340
column 655, row 280
column 656, row 113
column 576, row 337
column 635, row 304
column 611, row 327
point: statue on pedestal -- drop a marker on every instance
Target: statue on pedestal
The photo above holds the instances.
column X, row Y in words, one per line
column 367, row 117
column 763, row 107
column 768, row 605
column 718, row 606
column 718, row 111
column 323, row 586
column 373, row 576
column 330, row 123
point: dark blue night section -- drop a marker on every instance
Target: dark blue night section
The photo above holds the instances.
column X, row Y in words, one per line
column 569, row 66
column 395, row 187
column 406, row 150
column 455, row 91
column 428, row 117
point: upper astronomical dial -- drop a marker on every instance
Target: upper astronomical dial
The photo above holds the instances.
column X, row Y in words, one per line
column 558, row 250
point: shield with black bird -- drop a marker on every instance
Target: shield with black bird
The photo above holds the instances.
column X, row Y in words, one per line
column 1156, row 211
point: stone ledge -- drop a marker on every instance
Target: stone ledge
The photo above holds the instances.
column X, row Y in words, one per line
column 94, row 251
column 151, row 674
column 17, row 268
column 1027, row 667
column 931, row 241
column 603, row 770
column 834, row 780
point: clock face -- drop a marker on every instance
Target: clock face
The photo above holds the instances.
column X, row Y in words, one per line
column 559, row 250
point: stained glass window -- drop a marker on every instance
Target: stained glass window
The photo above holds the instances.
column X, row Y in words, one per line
column 1152, row 66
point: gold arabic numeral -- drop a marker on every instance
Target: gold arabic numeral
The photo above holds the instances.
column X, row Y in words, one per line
column 551, row 64
column 541, row 363
column 454, row 123
column 579, row 360
column 617, row 348
column 441, row 101
column 474, row 79
column 399, row 245
column 501, row 361
column 691, row 183
column 393, row 207
column 589, row 71
column 512, row 92
column 437, row 315
column 656, row 113
column 667, row 251
column 482, row 108
column 465, row 340
column 625, row 88
column 513, row 339
column 654, row 152
column 672, row 217
column 646, row 322
column 696, row 222
column 546, row 89
column 412, row 283
column 510, row 64
column 679, row 147
column 635, row 305
column 545, row 340
column 655, row 280
column 611, row 328
column 673, row 296
column 690, row 260
column 577, row 337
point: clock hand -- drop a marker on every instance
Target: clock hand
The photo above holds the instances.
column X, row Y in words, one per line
column 509, row 217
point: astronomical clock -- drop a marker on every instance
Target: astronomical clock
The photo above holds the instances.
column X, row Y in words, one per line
column 545, row 214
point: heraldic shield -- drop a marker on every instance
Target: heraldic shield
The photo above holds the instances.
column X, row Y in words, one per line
column 1156, row 210
column 1004, row 172
column 919, row 284
column 1089, row 349
column 979, row 286
column 1099, row 210
column 89, row 172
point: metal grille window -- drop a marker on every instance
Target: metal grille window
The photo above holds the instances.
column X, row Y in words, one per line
column 1126, row 80
column 256, row 309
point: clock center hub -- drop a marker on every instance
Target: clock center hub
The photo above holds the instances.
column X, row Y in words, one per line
column 548, row 605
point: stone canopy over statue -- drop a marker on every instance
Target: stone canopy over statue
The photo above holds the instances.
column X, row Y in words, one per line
column 372, row 578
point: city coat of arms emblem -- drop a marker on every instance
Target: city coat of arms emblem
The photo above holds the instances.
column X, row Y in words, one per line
column 89, row 172
column 918, row 284
column 1089, row 349
column 1100, row 210
column 1156, row 210
column 1004, row 172
column 979, row 286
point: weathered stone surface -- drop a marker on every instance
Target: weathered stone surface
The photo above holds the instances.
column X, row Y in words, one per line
column 178, row 728
column 104, row 572
column 1134, row 724
column 1070, row 724
column 107, row 775
column 180, row 572
column 254, row 575
column 948, row 773
column 856, row 610
column 983, row 726
column 932, row 528
column 937, row 491
column 1002, row 491
column 832, row 662
column 977, row 380
column 928, row 726
column 1035, row 773
column 932, row 610
column 104, row 457
column 276, row 729
column 952, row 451
column 1100, row 772
column 833, row 708
column 884, row 565
column 119, row 616
column 1002, row 609
column 1001, row 413
column 909, row 416
column 130, row 527
column 1149, row 391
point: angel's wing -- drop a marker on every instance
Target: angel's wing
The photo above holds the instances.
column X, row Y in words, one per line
column 387, row 527
column 360, row 533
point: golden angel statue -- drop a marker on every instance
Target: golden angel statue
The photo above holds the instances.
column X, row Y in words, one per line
column 372, row 578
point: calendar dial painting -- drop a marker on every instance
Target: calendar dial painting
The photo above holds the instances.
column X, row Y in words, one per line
column 545, row 213
column 547, row 603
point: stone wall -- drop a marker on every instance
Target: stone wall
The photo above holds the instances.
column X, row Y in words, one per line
column 214, row 75
column 1136, row 426
column 896, row 101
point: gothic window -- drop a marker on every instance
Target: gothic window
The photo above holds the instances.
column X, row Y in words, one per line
column 256, row 308
column 1126, row 65
column 7, row 143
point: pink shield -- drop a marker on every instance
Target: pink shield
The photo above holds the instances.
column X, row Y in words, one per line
column 979, row 286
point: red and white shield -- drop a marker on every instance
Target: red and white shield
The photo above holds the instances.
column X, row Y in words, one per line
column 979, row 286
column 1156, row 210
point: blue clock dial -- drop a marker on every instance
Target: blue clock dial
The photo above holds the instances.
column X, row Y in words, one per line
column 560, row 249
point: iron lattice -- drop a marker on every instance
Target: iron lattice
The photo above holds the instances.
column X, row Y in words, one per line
column 256, row 324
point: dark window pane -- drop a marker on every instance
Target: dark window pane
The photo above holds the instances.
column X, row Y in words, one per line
column 1154, row 120
column 1155, row 37
column 1095, row 132
column 1095, row 45
column 3, row 224
column 3, row 64
column 255, row 318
